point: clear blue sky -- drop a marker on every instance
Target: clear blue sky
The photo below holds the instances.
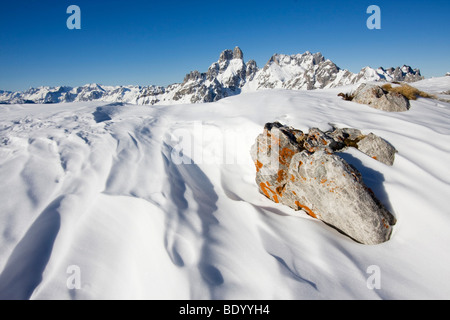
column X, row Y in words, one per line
column 149, row 42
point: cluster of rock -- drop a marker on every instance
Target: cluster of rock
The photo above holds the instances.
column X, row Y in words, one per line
column 376, row 97
column 303, row 171
column 230, row 75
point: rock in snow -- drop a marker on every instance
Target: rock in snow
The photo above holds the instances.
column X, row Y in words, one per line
column 371, row 144
column 377, row 148
column 377, row 98
column 303, row 172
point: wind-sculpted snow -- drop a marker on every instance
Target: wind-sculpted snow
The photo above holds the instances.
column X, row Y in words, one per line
column 160, row 202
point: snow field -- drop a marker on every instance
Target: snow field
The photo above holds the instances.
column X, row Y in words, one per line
column 100, row 186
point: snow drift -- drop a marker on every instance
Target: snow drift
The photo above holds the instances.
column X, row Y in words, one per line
column 160, row 202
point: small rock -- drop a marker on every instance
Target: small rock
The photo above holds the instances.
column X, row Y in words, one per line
column 377, row 148
column 316, row 139
column 371, row 144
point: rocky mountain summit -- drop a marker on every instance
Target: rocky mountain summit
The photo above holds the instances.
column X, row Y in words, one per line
column 229, row 76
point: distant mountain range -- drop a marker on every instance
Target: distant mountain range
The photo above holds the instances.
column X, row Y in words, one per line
column 229, row 76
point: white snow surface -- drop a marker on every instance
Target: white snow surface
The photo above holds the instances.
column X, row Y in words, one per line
column 99, row 188
column 439, row 86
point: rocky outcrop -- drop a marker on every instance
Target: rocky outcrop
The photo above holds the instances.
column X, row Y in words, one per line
column 370, row 144
column 272, row 154
column 377, row 148
column 302, row 171
column 376, row 97
column 405, row 74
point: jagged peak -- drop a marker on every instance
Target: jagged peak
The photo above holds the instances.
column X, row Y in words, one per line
column 251, row 62
column 237, row 53
column 93, row 86
column 228, row 54
column 299, row 58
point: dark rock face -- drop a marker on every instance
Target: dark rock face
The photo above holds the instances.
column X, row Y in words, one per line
column 251, row 69
column 405, row 73
column 226, row 55
column 303, row 172
column 237, row 53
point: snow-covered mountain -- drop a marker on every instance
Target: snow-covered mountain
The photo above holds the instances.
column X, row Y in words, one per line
column 229, row 76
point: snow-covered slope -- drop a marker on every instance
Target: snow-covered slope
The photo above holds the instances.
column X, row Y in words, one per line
column 229, row 76
column 160, row 202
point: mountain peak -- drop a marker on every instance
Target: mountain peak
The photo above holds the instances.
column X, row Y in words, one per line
column 228, row 54
column 237, row 53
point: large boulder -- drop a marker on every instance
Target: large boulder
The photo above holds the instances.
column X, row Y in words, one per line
column 378, row 98
column 303, row 172
column 326, row 187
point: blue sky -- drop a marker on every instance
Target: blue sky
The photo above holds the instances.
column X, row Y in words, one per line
column 148, row 42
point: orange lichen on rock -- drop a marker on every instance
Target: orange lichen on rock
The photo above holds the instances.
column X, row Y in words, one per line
column 306, row 209
column 262, row 149
column 258, row 165
column 281, row 175
column 285, row 156
column 268, row 192
column 279, row 191
column 292, row 178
